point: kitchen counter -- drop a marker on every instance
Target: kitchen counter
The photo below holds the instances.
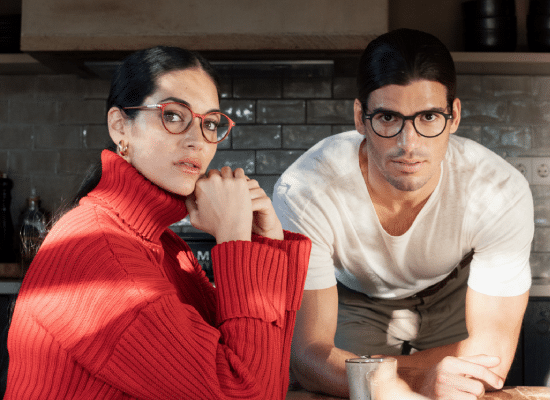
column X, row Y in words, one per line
column 10, row 286
column 508, row 393
column 540, row 287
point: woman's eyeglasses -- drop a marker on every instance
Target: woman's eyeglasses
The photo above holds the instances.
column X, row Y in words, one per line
column 178, row 117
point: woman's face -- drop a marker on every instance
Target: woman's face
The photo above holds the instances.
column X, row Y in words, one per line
column 172, row 161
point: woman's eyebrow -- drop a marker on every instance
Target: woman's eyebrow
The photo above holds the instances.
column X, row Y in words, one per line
column 178, row 100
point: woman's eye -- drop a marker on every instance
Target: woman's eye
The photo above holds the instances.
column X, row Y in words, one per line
column 170, row 116
column 210, row 125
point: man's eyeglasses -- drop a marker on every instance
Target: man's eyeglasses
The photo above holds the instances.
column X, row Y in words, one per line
column 178, row 117
column 388, row 124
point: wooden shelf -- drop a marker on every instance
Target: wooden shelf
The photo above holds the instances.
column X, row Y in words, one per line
column 21, row 64
column 515, row 63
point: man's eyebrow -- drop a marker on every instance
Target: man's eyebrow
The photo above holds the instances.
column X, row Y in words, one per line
column 386, row 110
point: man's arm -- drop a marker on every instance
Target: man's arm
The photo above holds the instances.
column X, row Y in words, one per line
column 494, row 325
column 315, row 362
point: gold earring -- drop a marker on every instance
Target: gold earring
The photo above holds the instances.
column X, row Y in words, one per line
column 122, row 148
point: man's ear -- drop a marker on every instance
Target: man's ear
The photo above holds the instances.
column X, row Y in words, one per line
column 358, row 117
column 116, row 122
column 456, row 115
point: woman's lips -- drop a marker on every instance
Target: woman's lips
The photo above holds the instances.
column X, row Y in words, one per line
column 408, row 166
column 189, row 166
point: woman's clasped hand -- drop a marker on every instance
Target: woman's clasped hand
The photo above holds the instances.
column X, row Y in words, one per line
column 230, row 206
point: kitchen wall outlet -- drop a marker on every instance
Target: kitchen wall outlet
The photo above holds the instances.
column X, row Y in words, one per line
column 523, row 165
column 541, row 170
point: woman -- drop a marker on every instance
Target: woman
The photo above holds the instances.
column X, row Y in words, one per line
column 115, row 306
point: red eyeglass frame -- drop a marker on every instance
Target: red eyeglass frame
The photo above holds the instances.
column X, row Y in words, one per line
column 162, row 106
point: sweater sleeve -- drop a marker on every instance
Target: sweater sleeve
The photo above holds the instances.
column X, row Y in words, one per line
column 297, row 247
column 245, row 356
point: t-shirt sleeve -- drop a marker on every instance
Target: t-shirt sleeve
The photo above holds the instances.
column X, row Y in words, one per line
column 502, row 245
column 298, row 213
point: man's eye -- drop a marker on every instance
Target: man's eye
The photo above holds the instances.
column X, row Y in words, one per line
column 429, row 117
column 386, row 117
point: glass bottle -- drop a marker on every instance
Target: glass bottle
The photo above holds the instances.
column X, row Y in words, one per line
column 33, row 229
column 7, row 248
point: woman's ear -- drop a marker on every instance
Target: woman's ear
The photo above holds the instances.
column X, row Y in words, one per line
column 116, row 122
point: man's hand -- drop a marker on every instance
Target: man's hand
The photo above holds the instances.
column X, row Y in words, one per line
column 459, row 378
column 386, row 385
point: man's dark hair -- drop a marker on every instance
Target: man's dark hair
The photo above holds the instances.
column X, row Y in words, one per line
column 402, row 56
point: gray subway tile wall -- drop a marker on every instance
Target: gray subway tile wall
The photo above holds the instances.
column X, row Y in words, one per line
column 52, row 129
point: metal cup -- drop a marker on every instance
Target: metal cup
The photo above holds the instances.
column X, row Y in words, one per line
column 360, row 371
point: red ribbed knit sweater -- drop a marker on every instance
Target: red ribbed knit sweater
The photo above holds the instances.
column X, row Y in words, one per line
column 115, row 305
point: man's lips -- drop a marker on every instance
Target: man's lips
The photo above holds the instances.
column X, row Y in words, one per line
column 408, row 166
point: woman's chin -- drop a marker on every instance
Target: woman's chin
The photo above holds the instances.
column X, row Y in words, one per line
column 180, row 189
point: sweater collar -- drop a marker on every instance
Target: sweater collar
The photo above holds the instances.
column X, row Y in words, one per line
column 144, row 206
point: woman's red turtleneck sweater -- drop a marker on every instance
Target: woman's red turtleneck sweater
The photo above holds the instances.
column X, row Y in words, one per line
column 115, row 305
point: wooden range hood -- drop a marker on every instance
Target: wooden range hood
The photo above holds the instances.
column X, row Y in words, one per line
column 64, row 34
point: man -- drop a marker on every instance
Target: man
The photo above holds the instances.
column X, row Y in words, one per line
column 421, row 239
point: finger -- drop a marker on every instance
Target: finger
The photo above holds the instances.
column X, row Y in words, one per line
column 239, row 173
column 466, row 385
column 257, row 193
column 481, row 364
column 191, row 204
column 483, row 359
column 252, row 183
column 262, row 204
column 213, row 172
column 226, row 172
column 476, row 367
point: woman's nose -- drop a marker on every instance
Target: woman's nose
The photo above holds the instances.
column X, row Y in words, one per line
column 194, row 137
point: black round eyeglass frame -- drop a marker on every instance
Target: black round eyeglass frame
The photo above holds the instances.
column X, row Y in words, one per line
column 405, row 118
column 162, row 106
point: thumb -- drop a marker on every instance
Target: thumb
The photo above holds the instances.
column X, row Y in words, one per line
column 191, row 204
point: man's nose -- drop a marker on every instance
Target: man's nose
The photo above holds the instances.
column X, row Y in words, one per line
column 408, row 138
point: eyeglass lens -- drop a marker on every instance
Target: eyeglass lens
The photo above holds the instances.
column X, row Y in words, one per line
column 388, row 124
column 177, row 119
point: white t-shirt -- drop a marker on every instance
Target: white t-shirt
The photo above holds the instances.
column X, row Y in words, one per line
column 481, row 202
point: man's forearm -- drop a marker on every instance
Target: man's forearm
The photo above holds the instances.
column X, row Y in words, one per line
column 322, row 368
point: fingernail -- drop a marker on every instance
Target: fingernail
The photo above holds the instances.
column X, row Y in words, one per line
column 500, row 383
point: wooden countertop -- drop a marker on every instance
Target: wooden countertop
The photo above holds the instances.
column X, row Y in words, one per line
column 508, row 393
column 519, row 392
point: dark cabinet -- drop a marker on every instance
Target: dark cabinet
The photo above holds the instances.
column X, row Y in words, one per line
column 201, row 244
column 7, row 302
column 536, row 343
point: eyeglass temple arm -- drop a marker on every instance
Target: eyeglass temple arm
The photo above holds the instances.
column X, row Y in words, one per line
column 149, row 106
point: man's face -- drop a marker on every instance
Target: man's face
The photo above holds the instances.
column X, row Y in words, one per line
column 407, row 161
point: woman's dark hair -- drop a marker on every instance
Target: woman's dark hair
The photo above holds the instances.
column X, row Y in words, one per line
column 402, row 56
column 134, row 80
